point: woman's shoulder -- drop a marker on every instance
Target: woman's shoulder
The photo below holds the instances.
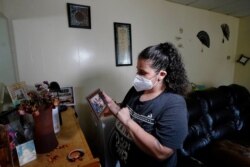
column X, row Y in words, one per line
column 173, row 96
column 171, row 100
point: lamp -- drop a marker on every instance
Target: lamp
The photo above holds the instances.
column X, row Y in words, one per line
column 54, row 87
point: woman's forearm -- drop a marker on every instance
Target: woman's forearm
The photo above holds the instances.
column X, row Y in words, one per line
column 147, row 142
column 114, row 107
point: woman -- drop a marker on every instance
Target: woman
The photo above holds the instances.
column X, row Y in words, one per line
column 152, row 119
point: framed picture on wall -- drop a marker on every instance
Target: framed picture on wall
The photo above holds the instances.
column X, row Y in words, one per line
column 79, row 16
column 97, row 103
column 123, row 44
column 243, row 60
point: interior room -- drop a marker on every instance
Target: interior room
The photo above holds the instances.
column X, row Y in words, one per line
column 38, row 44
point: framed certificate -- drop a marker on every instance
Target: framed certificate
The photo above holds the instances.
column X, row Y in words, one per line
column 123, row 44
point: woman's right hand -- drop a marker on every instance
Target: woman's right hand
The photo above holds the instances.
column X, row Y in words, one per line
column 121, row 113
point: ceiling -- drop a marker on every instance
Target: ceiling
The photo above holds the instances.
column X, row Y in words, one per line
column 236, row 8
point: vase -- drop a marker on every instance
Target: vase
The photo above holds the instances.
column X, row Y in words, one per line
column 5, row 156
column 44, row 137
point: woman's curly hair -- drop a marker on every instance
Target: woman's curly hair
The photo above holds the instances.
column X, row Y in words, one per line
column 165, row 56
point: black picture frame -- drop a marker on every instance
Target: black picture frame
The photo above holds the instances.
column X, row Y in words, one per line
column 79, row 16
column 97, row 103
column 243, row 59
column 123, row 44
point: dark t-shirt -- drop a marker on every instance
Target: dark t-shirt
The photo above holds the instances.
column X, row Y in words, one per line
column 165, row 117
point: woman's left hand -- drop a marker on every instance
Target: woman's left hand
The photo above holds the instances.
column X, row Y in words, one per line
column 114, row 108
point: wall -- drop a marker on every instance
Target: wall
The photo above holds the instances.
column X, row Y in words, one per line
column 47, row 49
column 242, row 72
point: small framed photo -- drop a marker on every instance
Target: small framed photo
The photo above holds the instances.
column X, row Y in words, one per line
column 66, row 96
column 243, row 59
column 97, row 102
column 18, row 92
column 26, row 152
column 79, row 16
column 123, row 44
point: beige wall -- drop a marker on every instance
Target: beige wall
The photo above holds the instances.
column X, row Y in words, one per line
column 242, row 73
column 47, row 49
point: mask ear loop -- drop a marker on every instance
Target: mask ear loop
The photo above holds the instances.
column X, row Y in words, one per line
column 157, row 80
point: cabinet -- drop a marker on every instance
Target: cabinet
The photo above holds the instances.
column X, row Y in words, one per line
column 103, row 129
column 69, row 138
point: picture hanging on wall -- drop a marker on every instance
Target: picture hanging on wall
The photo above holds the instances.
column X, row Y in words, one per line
column 79, row 16
column 243, row 59
column 204, row 38
column 123, row 44
column 225, row 31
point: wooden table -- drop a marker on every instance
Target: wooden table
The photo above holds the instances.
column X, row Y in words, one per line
column 69, row 138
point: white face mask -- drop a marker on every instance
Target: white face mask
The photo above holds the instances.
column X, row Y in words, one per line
column 141, row 83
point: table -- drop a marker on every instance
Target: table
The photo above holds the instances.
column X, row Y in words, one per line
column 69, row 138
